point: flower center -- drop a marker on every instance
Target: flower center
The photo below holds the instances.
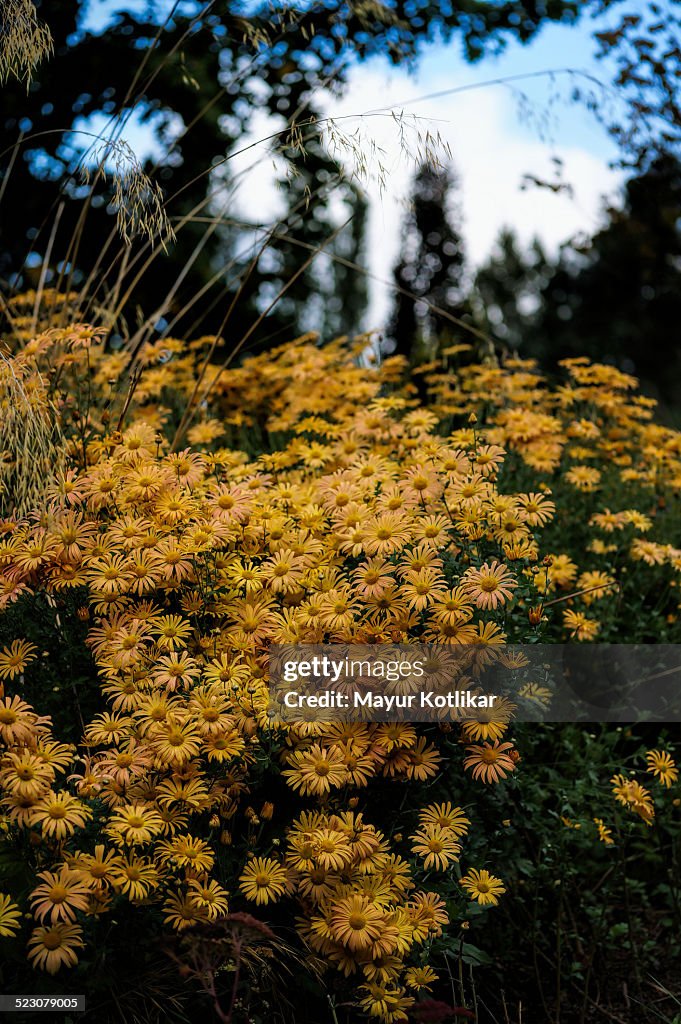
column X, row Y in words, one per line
column 489, row 583
column 57, row 894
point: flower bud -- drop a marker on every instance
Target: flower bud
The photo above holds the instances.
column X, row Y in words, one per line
column 535, row 614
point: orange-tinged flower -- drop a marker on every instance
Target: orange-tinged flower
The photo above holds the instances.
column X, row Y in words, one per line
column 490, row 585
column 17, row 720
column 59, row 896
column 373, row 577
column 54, row 946
column 15, row 658
column 490, row 762
column 26, row 775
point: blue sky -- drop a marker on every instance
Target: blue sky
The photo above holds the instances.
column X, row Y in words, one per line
column 556, row 46
column 492, row 142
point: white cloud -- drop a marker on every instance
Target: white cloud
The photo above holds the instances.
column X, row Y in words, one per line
column 491, row 150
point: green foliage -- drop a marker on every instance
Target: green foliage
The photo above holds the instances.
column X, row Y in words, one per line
column 593, row 930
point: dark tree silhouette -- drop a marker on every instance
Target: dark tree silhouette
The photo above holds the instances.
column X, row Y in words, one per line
column 618, row 298
column 430, row 268
column 615, row 297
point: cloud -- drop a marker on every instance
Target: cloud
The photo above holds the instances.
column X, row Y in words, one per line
column 492, row 150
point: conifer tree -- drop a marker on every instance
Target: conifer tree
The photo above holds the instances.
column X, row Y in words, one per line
column 429, row 276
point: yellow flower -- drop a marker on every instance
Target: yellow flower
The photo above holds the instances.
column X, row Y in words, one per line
column 437, row 846
column 632, row 795
column 15, row 658
column 482, row 886
column 595, row 585
column 187, row 851
column 422, row 760
column 209, row 897
column 171, row 631
column 95, row 869
column 428, row 914
column 10, row 915
column 662, row 766
column 356, row 922
column 604, row 833
column 579, row 625
column 136, row 823
column 446, row 816
column 420, row 978
column 316, row 771
column 175, row 742
column 59, row 814
column 263, row 880
column 490, row 724
column 584, row 478
column 181, row 912
column 134, row 876
column 387, row 1002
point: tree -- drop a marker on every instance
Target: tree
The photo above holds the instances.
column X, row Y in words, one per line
column 615, row 298
column 429, row 274
column 507, row 291
column 200, row 71
column 618, row 298
column 325, row 214
column 644, row 43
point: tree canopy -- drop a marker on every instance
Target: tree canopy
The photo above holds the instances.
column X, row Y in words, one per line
column 198, row 74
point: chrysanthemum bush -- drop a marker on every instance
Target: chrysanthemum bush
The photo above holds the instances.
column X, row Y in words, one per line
column 202, row 514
